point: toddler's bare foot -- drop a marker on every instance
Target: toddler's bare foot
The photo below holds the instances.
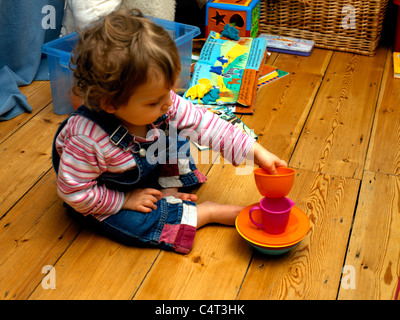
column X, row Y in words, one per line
column 211, row 212
column 176, row 194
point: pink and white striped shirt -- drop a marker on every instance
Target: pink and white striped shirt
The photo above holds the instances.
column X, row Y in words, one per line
column 86, row 152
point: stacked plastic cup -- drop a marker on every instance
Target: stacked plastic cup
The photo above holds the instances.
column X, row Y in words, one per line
column 275, row 207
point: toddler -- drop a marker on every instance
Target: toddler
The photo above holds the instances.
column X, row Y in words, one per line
column 119, row 164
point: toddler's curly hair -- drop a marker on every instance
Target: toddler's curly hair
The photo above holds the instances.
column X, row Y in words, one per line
column 120, row 53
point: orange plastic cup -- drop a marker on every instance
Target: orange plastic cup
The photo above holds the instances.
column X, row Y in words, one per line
column 274, row 186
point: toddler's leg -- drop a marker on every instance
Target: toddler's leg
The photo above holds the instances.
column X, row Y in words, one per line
column 211, row 212
column 207, row 212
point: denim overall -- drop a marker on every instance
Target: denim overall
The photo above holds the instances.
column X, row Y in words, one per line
column 160, row 228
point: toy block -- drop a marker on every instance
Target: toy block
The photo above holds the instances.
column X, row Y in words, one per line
column 244, row 15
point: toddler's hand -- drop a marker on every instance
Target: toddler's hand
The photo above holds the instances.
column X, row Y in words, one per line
column 143, row 200
column 266, row 159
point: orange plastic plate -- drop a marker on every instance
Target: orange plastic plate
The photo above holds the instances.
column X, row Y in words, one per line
column 296, row 229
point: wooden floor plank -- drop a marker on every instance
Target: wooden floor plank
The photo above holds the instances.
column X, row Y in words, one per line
column 38, row 95
column 210, row 271
column 386, row 131
column 373, row 256
column 311, row 270
column 336, row 135
column 97, row 268
column 283, row 105
column 34, row 233
column 26, row 157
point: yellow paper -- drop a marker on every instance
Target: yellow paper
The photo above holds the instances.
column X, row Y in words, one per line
column 396, row 64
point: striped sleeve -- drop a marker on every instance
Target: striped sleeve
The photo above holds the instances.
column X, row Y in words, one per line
column 85, row 153
column 81, row 164
column 209, row 129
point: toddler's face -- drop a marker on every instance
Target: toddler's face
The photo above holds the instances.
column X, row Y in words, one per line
column 149, row 102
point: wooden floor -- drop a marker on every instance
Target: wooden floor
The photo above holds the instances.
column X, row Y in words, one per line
column 335, row 118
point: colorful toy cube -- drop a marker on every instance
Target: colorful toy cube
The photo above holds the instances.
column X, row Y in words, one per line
column 244, row 15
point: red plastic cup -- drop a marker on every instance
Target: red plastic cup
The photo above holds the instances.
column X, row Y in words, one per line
column 274, row 214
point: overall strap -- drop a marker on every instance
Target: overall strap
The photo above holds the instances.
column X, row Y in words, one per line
column 119, row 135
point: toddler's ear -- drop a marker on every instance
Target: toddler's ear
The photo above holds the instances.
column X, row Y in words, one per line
column 106, row 106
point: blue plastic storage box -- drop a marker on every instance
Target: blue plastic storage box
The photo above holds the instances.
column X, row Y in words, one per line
column 61, row 76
